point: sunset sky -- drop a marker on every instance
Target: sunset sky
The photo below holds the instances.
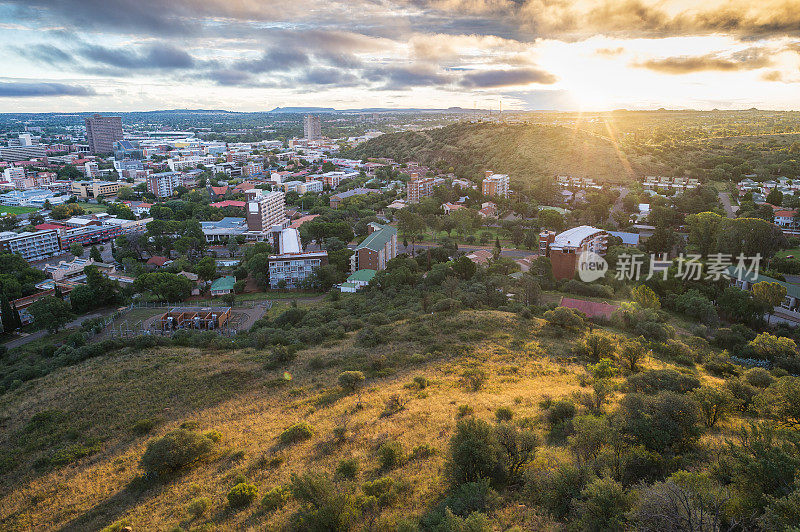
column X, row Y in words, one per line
column 248, row 55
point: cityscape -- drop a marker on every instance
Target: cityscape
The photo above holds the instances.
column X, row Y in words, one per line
column 438, row 266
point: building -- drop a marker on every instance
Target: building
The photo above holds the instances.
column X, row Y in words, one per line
column 376, row 250
column 14, row 172
column 495, row 185
column 336, row 199
column 102, row 132
column 301, row 187
column 202, row 318
column 224, row 229
column 95, row 188
column 265, row 211
column 357, row 280
column 565, row 248
column 164, row 184
column 22, row 153
column 334, row 179
column 223, row 286
column 419, row 187
column 64, row 269
column 33, row 246
column 312, row 127
column 289, row 270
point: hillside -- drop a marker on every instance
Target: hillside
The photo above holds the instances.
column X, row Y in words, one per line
column 526, row 152
column 74, row 444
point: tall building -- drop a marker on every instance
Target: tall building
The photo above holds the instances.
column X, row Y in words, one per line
column 22, row 153
column 376, row 250
column 419, row 187
column 265, row 211
column 102, row 132
column 291, row 266
column 496, row 184
column 163, row 184
column 312, row 127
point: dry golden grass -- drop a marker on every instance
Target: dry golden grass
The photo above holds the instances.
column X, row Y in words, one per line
column 231, row 391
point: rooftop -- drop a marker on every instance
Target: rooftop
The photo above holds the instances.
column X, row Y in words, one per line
column 362, row 275
column 224, row 283
column 572, row 238
column 378, row 239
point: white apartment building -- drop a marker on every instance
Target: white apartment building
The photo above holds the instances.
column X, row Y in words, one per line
column 33, row 246
column 496, row 184
column 15, row 172
column 265, row 211
column 164, row 184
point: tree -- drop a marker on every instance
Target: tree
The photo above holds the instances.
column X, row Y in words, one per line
column 781, row 402
column 76, row 249
column 94, row 254
column 774, row 348
column 775, row 197
column 770, row 294
column 602, row 506
column 529, row 289
column 551, row 219
column 9, row 323
column 411, row 225
column 632, row 352
column 258, row 266
column 473, row 452
column 352, row 382
column 598, row 345
column 464, row 267
column 51, row 313
column 165, row 286
column 684, row 502
column 126, row 194
column 206, row 268
column 645, row 296
column 715, row 403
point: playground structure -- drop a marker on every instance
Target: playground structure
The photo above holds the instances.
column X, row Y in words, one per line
column 198, row 318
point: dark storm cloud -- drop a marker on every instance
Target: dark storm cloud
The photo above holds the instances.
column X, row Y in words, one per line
column 505, row 78
column 33, row 90
column 277, row 59
column 746, row 60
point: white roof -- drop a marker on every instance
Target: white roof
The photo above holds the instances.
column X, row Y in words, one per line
column 290, row 241
column 572, row 238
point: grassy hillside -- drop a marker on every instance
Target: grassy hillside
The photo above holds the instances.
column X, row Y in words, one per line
column 72, row 441
column 526, row 152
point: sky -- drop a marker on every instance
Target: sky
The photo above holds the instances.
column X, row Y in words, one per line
column 251, row 55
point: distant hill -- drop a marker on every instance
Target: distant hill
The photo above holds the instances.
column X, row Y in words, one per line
column 526, row 152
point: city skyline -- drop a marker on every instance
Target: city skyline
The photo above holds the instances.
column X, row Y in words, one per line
column 125, row 55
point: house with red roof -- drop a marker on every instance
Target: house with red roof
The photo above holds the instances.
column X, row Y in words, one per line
column 229, row 203
column 158, row 261
column 219, row 191
column 592, row 309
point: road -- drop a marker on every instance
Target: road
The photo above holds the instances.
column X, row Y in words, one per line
column 623, row 191
column 725, row 199
column 506, row 252
column 18, row 342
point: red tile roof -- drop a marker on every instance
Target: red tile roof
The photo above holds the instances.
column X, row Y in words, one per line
column 42, row 227
column 228, row 203
column 591, row 308
column 157, row 261
column 219, row 191
column 303, row 219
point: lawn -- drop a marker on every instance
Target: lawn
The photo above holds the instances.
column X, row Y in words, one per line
column 4, row 209
column 92, row 208
column 785, row 252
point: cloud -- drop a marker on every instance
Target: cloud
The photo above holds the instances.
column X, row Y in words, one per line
column 610, row 52
column 44, row 53
column 746, row 60
column 38, row 89
column 505, row 78
column 154, row 56
column 276, row 59
column 329, row 76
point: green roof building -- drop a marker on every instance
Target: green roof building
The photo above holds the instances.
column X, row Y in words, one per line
column 376, row 250
column 223, row 285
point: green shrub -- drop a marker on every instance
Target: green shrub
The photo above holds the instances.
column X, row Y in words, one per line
column 423, row 451
column 145, row 425
column 381, row 489
column 471, row 497
column 296, row 433
column 560, row 411
column 347, row 468
column 324, row 505
column 554, row 490
column 242, row 494
column 275, row 498
column 758, row 377
column 473, row 452
column 390, row 455
column 421, row 382
column 474, row 378
column 465, row 410
column 503, row 413
column 655, row 380
column 198, row 507
column 177, row 450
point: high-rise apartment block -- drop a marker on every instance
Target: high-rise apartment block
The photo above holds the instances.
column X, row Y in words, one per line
column 265, row 211
column 102, row 132
column 496, row 184
column 312, row 127
column 163, row 184
column 419, row 187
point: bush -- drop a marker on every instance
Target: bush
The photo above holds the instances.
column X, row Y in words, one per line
column 470, row 497
column 715, row 403
column 177, row 450
column 474, row 378
column 473, row 452
column 390, row 455
column 664, row 421
column 275, row 498
column 422, row 451
column 559, row 412
column 676, row 351
column 242, row 495
column 564, row 319
column 323, row 504
column 597, row 345
column 296, row 433
column 198, row 507
column 347, row 468
column 554, row 489
column 655, row 380
column 464, row 410
column 758, row 377
column 503, row 413
column 381, row 490
column 144, row 426
column 602, row 506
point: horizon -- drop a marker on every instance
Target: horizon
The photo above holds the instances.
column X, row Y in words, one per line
column 531, row 55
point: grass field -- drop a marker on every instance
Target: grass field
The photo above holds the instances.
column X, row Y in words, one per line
column 17, row 210
column 102, row 413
